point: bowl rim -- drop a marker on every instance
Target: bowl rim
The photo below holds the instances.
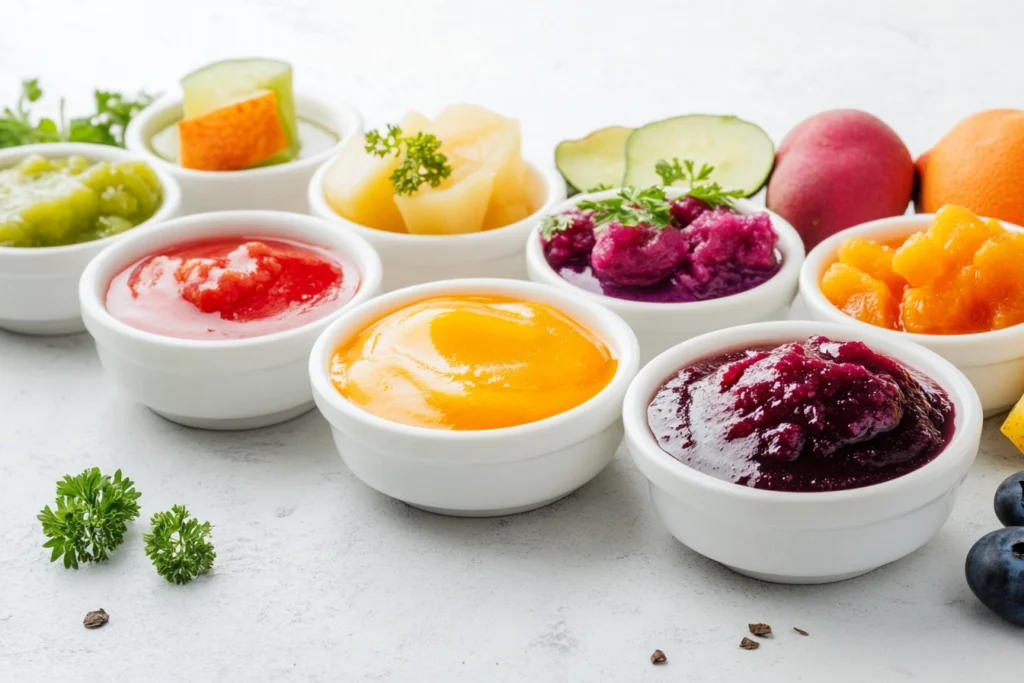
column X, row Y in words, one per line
column 825, row 252
column 169, row 204
column 790, row 245
column 554, row 185
column 967, row 412
column 137, row 138
column 619, row 337
column 113, row 258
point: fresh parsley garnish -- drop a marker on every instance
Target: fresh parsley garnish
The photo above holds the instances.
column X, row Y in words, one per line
column 179, row 545
column 421, row 160
column 711, row 193
column 91, row 516
column 556, row 223
column 631, row 207
column 105, row 127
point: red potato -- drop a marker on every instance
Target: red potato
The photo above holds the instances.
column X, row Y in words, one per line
column 838, row 169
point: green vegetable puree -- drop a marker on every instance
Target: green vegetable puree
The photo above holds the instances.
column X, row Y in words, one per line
column 54, row 202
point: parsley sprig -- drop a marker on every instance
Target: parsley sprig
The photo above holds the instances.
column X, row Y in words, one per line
column 105, row 127
column 700, row 187
column 421, row 160
column 179, row 545
column 91, row 516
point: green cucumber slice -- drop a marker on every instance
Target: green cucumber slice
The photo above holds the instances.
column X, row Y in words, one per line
column 598, row 159
column 741, row 152
column 221, row 83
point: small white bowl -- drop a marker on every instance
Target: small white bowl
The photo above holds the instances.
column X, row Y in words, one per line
column 416, row 259
column 277, row 188
column 487, row 472
column 39, row 285
column 802, row 537
column 659, row 326
column 992, row 361
column 217, row 384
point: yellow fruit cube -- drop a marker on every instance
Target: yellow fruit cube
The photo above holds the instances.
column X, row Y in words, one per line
column 454, row 207
column 1013, row 426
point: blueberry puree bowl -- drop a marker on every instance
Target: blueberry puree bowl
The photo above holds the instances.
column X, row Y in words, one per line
column 802, row 537
column 659, row 326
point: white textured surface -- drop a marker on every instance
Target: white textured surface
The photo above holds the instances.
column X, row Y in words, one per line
column 319, row 578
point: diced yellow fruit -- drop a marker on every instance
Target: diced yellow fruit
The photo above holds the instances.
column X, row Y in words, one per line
column 358, row 184
column 456, row 206
column 1013, row 427
column 463, row 124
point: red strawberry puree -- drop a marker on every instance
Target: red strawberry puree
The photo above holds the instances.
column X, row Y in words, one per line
column 230, row 288
column 813, row 416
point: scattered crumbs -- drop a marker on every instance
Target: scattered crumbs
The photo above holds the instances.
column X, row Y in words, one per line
column 96, row 619
column 760, row 630
column 801, row 631
column 748, row 644
column 658, row 657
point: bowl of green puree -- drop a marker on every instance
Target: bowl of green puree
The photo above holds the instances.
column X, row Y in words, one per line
column 60, row 205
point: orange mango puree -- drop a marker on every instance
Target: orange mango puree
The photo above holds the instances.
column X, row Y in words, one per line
column 467, row 362
column 961, row 276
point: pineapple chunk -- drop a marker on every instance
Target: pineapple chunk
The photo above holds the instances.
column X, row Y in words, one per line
column 461, row 125
column 358, row 184
column 456, row 206
column 1013, row 427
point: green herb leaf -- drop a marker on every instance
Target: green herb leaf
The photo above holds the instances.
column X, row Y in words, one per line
column 91, row 516
column 105, row 127
column 556, row 223
column 422, row 162
column 179, row 545
column 631, row 207
column 711, row 193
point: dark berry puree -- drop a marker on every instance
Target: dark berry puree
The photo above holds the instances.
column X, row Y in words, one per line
column 813, row 416
column 231, row 288
column 701, row 254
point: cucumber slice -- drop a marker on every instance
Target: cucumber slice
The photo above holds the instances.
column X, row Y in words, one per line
column 221, row 83
column 742, row 153
column 598, row 159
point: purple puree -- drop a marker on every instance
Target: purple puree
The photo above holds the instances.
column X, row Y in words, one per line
column 702, row 254
column 813, row 416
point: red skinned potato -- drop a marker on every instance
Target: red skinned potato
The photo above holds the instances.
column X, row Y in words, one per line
column 838, row 169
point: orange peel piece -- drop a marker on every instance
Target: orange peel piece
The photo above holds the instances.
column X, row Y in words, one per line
column 233, row 137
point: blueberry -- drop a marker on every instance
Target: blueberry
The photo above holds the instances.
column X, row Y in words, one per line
column 1010, row 500
column 995, row 572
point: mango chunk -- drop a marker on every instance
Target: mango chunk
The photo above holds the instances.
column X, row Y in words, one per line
column 860, row 296
column 1013, row 426
column 233, row 137
column 874, row 259
column 456, row 206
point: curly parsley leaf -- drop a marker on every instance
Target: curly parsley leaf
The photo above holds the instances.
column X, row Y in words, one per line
column 179, row 545
column 711, row 193
column 91, row 516
column 421, row 160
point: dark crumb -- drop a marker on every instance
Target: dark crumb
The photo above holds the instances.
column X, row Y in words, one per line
column 760, row 630
column 658, row 657
column 801, row 631
column 96, row 619
column 748, row 644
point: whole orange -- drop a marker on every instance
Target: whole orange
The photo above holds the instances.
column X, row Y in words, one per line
column 979, row 164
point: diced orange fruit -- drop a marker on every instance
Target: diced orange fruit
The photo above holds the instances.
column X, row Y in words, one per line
column 860, row 296
column 961, row 277
column 874, row 259
column 233, row 137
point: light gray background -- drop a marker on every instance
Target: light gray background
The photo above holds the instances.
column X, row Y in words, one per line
column 319, row 578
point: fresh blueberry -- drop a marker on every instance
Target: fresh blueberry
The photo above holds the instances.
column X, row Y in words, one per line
column 995, row 572
column 1010, row 500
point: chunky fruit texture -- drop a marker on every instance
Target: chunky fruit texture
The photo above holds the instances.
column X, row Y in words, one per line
column 958, row 277
column 1013, row 427
column 813, row 416
column 54, row 202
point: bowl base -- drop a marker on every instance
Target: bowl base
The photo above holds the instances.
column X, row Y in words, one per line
column 488, row 513
column 44, row 328
column 800, row 580
column 237, row 424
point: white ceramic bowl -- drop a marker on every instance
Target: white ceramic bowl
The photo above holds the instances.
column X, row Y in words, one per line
column 487, row 472
column 278, row 188
column 217, row 384
column 415, row 259
column 39, row 286
column 659, row 326
column 802, row 537
column 992, row 361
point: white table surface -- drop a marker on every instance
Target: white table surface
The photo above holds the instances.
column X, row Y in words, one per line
column 319, row 578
